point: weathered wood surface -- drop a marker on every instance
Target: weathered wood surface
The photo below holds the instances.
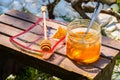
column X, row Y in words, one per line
column 14, row 22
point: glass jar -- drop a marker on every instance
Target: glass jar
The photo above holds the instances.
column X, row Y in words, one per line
column 81, row 47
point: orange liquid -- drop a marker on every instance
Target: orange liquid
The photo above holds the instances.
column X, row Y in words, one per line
column 83, row 52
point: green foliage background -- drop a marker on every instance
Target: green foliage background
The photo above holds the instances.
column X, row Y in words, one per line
column 118, row 2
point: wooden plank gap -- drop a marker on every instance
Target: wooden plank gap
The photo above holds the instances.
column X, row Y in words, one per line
column 56, row 59
column 106, row 57
column 23, row 15
column 109, row 52
column 17, row 27
column 5, row 34
column 111, row 47
column 19, row 18
column 97, row 67
column 8, row 35
column 61, row 61
column 11, row 25
column 60, row 54
column 101, row 63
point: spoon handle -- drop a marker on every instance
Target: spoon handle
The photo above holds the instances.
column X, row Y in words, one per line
column 97, row 10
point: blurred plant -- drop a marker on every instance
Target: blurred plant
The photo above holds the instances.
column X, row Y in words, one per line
column 116, row 71
column 30, row 73
column 118, row 2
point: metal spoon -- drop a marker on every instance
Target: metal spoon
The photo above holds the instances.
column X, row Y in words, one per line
column 97, row 10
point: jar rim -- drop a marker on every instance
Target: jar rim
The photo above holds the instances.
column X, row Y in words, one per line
column 88, row 20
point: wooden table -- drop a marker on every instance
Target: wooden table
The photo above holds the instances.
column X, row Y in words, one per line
column 14, row 22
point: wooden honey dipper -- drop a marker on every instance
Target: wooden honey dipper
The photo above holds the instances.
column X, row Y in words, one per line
column 45, row 45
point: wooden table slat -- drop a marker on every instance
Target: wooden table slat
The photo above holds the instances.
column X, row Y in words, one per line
column 111, row 43
column 101, row 63
column 14, row 22
column 21, row 15
column 109, row 52
column 9, row 30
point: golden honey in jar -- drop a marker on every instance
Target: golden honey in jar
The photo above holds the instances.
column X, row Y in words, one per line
column 81, row 47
